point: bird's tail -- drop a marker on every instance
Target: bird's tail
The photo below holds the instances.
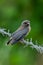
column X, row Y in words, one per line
column 8, row 42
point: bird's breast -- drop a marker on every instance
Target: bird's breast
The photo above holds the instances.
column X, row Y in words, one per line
column 28, row 30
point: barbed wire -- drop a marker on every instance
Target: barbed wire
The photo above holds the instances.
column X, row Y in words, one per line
column 26, row 42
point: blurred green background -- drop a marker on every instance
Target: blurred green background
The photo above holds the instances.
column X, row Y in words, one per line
column 12, row 13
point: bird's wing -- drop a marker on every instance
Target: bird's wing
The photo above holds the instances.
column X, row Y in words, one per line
column 17, row 36
column 20, row 28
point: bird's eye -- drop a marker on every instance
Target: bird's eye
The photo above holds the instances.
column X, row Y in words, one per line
column 25, row 23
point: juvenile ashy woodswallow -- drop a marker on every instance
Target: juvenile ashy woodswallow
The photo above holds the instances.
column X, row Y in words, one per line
column 20, row 33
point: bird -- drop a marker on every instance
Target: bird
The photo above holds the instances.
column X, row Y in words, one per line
column 20, row 33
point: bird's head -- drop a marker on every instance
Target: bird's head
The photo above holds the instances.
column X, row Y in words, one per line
column 26, row 23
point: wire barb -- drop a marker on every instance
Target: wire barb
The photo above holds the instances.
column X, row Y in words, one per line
column 3, row 32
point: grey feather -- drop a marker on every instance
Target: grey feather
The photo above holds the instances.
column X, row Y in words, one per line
column 20, row 33
column 15, row 37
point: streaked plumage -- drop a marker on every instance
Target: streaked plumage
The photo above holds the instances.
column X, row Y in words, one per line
column 20, row 33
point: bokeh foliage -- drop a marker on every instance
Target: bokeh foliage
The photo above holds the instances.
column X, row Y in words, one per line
column 12, row 13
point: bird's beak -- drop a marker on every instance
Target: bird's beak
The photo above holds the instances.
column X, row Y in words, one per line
column 28, row 24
